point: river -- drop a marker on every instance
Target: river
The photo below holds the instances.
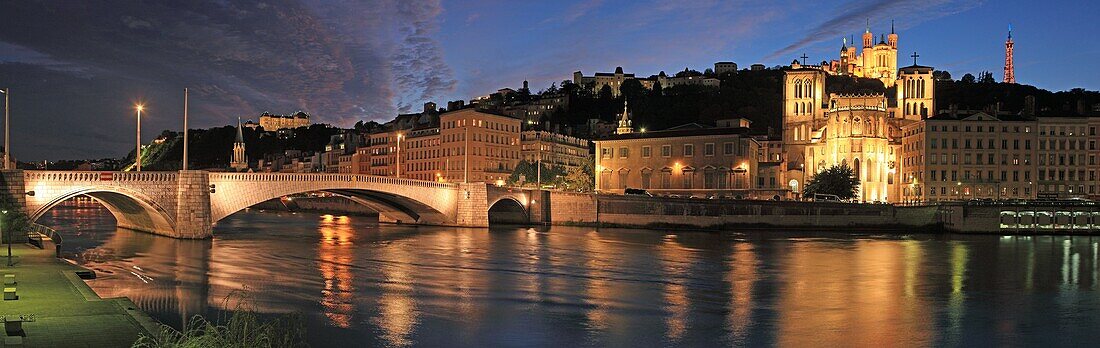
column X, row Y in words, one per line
column 363, row 284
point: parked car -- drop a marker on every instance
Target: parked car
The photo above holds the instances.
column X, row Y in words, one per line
column 637, row 192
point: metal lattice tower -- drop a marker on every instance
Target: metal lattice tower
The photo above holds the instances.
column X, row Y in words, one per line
column 1010, row 71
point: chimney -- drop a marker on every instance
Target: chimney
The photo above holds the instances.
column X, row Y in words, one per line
column 1029, row 105
column 1081, row 110
column 997, row 109
column 954, row 110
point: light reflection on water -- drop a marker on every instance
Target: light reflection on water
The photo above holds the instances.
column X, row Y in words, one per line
column 364, row 285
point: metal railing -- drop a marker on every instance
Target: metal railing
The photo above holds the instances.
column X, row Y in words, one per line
column 39, row 234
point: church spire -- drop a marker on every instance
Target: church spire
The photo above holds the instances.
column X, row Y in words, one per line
column 625, row 126
column 238, row 162
column 240, row 133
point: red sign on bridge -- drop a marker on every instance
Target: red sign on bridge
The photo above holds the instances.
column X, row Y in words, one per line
column 106, row 176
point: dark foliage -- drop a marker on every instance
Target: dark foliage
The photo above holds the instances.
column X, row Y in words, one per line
column 837, row 180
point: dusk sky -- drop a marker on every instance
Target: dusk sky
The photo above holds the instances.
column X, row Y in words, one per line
column 76, row 68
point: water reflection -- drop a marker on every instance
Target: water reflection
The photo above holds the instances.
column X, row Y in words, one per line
column 335, row 251
column 360, row 284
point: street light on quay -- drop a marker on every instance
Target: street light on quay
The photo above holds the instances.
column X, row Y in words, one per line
column 137, row 153
column 399, row 136
column 7, row 111
column 9, row 236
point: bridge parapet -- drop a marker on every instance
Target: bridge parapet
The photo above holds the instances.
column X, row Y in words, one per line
column 97, row 177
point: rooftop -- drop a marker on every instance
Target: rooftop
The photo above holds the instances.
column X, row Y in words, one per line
column 685, row 130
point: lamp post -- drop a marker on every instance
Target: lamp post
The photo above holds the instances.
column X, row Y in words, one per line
column 399, row 135
column 185, row 129
column 466, row 153
column 538, row 162
column 7, row 124
column 5, row 212
column 137, row 153
column 802, row 168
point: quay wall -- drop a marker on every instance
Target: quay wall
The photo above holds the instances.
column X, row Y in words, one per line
column 642, row 211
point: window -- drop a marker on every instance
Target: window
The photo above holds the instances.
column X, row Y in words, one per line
column 605, row 152
column 666, row 151
column 646, row 151
column 728, row 148
column 689, row 150
column 708, row 149
column 647, row 176
column 624, row 152
column 710, row 179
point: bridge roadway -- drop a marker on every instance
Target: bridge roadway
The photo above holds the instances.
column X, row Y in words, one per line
column 186, row 204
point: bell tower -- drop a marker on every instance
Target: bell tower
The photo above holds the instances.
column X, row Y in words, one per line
column 803, row 112
column 916, row 92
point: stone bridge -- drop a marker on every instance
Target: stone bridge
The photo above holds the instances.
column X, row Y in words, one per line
column 186, row 204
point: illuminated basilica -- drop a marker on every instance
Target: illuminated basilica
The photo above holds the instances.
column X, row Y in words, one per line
column 822, row 129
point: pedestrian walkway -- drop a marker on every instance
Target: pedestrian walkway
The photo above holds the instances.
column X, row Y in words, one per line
column 66, row 312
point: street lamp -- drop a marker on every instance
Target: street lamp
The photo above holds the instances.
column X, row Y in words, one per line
column 7, row 111
column 399, row 135
column 137, row 153
column 802, row 168
column 5, row 212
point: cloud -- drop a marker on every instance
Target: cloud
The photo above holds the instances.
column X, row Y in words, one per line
column 340, row 60
column 575, row 12
column 853, row 17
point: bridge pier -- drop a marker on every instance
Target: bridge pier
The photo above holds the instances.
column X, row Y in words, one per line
column 473, row 205
column 13, row 190
column 193, row 205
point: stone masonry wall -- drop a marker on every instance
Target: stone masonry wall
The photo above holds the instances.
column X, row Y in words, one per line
column 11, row 184
column 193, row 205
column 473, row 205
column 568, row 207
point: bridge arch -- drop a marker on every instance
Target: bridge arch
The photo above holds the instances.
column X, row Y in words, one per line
column 131, row 210
column 400, row 200
column 508, row 210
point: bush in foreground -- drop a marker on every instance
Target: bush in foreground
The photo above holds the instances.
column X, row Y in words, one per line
column 244, row 328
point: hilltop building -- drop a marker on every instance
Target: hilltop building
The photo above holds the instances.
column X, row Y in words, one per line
column 271, row 122
column 615, row 80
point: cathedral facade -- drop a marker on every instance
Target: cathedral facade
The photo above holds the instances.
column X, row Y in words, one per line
column 864, row 132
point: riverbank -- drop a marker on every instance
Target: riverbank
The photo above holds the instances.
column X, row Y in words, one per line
column 67, row 313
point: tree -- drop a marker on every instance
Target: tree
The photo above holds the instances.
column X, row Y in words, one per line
column 837, row 180
column 632, row 90
column 14, row 218
column 527, row 172
column 941, row 75
column 986, row 77
column 582, row 178
column 968, row 78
